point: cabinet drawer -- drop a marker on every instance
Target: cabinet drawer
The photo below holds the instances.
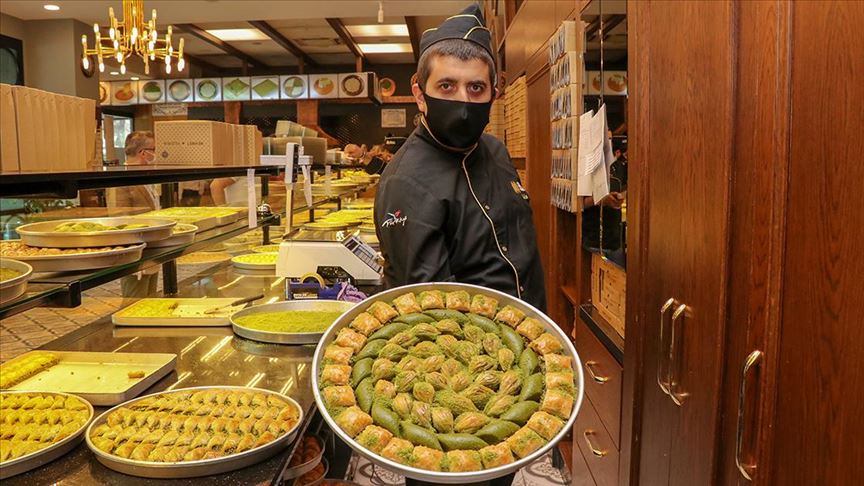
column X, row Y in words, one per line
column 596, row 445
column 604, row 386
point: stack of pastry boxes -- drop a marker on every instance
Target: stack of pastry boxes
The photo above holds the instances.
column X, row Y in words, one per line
column 566, row 76
column 42, row 131
column 202, row 142
column 515, row 109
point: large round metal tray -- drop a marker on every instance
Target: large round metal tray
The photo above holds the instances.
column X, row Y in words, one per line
column 43, row 234
column 296, row 471
column 48, row 454
column 293, row 305
column 191, row 469
column 433, row 476
column 176, row 238
column 256, row 267
column 83, row 261
column 14, row 287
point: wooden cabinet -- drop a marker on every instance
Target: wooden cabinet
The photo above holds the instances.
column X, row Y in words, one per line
column 745, row 189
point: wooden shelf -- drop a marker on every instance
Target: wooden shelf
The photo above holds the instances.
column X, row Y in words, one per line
column 611, row 340
column 572, row 295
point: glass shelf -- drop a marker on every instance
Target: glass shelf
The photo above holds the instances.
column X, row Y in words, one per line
column 64, row 289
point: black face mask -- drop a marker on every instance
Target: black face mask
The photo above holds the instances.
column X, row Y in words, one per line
column 456, row 124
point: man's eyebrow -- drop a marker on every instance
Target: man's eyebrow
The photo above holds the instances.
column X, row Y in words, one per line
column 447, row 80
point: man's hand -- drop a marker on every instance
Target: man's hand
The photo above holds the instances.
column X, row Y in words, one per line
column 613, row 200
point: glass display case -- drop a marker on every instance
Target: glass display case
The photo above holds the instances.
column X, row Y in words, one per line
column 197, row 268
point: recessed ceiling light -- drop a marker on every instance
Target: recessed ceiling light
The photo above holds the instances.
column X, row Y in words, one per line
column 51, row 7
column 237, row 34
column 384, row 48
column 378, row 30
column 115, row 73
column 134, row 78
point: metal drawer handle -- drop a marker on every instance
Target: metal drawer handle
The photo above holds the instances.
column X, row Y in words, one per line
column 590, row 366
column 594, row 449
column 745, row 469
column 663, row 353
column 676, row 357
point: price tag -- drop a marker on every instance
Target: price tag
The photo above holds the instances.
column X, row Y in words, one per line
column 250, row 198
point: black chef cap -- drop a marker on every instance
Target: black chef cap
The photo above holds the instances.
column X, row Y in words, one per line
column 468, row 25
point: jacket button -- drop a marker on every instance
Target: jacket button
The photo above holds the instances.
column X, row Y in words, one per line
column 521, row 289
column 486, row 207
column 504, row 249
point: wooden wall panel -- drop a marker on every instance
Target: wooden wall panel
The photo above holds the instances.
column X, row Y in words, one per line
column 819, row 424
column 637, row 236
column 757, row 229
column 538, row 165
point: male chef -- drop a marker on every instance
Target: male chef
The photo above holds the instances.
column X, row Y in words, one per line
column 450, row 206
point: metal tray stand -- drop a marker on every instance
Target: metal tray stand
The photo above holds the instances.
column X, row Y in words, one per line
column 191, row 469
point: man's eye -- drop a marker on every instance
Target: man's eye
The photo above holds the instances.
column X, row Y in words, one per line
column 477, row 88
column 444, row 86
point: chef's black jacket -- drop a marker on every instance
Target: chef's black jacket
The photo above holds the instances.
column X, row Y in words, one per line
column 434, row 215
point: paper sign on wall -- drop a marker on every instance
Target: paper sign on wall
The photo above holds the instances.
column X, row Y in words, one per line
column 171, row 109
column 393, row 118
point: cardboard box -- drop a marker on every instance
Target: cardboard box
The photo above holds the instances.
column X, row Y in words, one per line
column 8, row 130
column 193, row 142
column 252, row 145
column 238, row 134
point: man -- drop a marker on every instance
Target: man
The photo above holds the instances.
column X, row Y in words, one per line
column 140, row 150
column 451, row 206
column 607, row 212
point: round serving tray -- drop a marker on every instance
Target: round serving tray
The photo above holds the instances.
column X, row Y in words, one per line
column 83, row 261
column 177, row 238
column 48, row 454
column 255, row 267
column 43, row 234
column 191, row 469
column 433, row 476
column 13, row 288
column 303, row 468
column 293, row 305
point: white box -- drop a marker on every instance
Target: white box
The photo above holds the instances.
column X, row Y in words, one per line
column 237, row 88
column 124, row 93
column 293, row 86
column 151, row 91
column 179, row 91
column 354, row 85
column 265, row 87
column 323, row 86
column 204, row 87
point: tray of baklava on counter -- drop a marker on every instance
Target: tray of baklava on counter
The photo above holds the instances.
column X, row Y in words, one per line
column 102, row 379
column 38, row 427
column 194, row 432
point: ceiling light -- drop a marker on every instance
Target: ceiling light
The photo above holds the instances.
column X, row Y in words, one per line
column 237, row 34
column 51, row 7
column 114, row 73
column 374, row 30
column 384, row 48
column 134, row 78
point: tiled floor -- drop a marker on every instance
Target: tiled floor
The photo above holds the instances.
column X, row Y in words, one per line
column 540, row 473
column 23, row 332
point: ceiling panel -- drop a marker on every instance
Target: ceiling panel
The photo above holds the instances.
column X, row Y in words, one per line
column 200, row 11
column 224, row 61
column 399, row 58
column 330, row 59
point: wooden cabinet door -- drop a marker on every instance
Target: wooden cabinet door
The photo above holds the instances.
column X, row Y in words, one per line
column 687, row 142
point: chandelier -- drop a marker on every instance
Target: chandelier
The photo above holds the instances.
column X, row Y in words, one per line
column 132, row 36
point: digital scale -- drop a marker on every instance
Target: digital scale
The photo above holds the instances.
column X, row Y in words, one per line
column 300, row 257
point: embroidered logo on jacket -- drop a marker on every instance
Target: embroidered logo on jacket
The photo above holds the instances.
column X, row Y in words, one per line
column 393, row 219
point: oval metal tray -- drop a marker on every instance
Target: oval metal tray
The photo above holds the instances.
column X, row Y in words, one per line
column 303, row 468
column 191, row 469
column 181, row 238
column 43, row 234
column 48, row 454
column 13, row 288
column 256, row 267
column 293, row 305
column 84, row 261
column 433, row 476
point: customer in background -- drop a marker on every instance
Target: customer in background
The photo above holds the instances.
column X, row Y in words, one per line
column 140, row 150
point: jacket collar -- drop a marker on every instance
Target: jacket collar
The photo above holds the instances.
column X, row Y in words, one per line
column 426, row 135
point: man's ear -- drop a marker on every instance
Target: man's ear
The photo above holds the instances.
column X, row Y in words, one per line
column 418, row 97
